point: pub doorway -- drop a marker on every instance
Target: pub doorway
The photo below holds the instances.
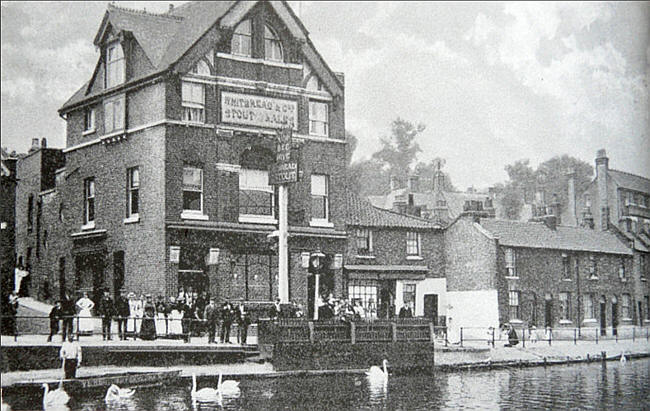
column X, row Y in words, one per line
column 89, row 275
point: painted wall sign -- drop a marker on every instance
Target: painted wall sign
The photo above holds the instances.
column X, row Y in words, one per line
column 259, row 111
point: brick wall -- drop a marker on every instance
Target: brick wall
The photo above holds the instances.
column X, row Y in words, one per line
column 541, row 276
column 470, row 257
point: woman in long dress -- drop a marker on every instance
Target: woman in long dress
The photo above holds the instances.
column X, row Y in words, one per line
column 86, row 323
column 135, row 310
column 148, row 328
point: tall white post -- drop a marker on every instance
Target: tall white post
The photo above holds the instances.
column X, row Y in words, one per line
column 283, row 246
column 316, row 288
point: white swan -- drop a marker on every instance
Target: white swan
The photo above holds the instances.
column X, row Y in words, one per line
column 115, row 393
column 623, row 359
column 204, row 394
column 228, row 387
column 54, row 398
column 377, row 373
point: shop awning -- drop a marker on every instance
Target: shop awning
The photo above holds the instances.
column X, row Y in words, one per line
column 386, row 272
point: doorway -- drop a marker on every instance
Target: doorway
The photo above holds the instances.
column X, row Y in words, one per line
column 548, row 313
column 431, row 307
column 90, row 274
column 603, row 317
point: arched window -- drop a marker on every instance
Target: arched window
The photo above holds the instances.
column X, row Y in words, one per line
column 241, row 39
column 115, row 68
column 272, row 45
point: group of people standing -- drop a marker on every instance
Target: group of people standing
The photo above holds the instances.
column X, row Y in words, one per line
column 189, row 314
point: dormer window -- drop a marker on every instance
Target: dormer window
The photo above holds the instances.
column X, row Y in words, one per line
column 241, row 39
column 272, row 45
column 115, row 67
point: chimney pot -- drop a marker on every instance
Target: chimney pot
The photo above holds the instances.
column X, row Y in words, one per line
column 35, row 142
column 44, row 142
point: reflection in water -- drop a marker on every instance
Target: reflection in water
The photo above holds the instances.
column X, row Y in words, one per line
column 590, row 386
column 378, row 390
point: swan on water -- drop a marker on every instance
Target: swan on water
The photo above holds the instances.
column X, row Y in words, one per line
column 228, row 387
column 204, row 394
column 115, row 393
column 377, row 373
column 623, row 359
column 54, row 398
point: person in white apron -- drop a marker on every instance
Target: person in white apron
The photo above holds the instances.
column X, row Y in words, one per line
column 86, row 323
column 161, row 317
column 175, row 317
column 131, row 322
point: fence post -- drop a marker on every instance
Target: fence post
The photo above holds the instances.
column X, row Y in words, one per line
column 575, row 336
column 550, row 335
column 597, row 332
column 353, row 332
column 461, row 336
column 77, row 328
column 633, row 328
column 432, row 333
column 616, row 335
column 523, row 337
column 447, row 340
column 311, row 332
column 394, row 328
column 492, row 337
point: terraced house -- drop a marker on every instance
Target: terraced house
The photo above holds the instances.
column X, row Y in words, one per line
column 169, row 143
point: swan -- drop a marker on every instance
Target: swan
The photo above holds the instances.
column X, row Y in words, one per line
column 204, row 394
column 377, row 373
column 115, row 393
column 623, row 359
column 228, row 386
column 54, row 398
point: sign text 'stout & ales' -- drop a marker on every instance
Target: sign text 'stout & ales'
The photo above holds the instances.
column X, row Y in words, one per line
column 259, row 111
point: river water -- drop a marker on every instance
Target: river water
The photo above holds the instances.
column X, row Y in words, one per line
column 585, row 386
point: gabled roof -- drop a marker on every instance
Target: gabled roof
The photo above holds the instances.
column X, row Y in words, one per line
column 630, row 181
column 360, row 212
column 538, row 235
column 165, row 38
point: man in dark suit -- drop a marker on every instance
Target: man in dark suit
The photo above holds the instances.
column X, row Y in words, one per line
column 226, row 321
column 68, row 311
column 122, row 311
column 211, row 316
column 106, row 310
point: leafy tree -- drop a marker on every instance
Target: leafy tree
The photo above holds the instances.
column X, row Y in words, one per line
column 399, row 150
column 368, row 177
column 550, row 178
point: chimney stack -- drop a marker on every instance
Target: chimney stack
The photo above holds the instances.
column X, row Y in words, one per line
column 414, row 184
column 43, row 142
column 602, row 166
column 393, row 183
column 572, row 216
column 34, row 146
column 554, row 208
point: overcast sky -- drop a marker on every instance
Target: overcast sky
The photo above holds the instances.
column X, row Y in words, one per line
column 492, row 82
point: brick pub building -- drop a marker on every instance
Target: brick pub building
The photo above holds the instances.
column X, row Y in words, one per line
column 165, row 184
